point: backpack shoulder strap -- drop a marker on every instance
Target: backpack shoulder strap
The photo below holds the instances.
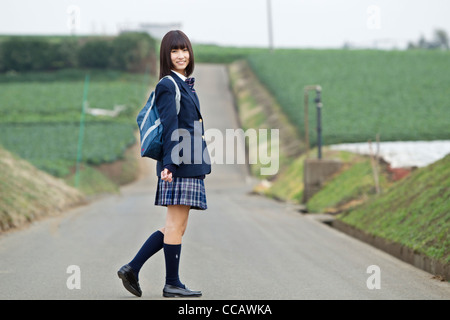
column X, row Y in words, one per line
column 177, row 93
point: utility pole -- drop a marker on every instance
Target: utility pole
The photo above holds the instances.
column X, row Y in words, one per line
column 269, row 24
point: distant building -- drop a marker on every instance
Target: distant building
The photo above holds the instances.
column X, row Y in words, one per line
column 156, row 30
column 379, row 44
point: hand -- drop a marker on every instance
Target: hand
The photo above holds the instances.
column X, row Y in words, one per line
column 166, row 175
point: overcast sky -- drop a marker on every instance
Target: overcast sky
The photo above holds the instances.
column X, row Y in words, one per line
column 296, row 23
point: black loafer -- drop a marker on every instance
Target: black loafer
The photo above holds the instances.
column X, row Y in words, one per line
column 170, row 291
column 129, row 280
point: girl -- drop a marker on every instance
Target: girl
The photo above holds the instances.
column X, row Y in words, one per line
column 182, row 170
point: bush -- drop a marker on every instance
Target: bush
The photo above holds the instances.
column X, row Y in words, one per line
column 27, row 54
column 2, row 65
column 133, row 52
column 67, row 53
column 95, row 54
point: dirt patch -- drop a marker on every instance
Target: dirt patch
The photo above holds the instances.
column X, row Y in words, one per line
column 398, row 173
column 128, row 169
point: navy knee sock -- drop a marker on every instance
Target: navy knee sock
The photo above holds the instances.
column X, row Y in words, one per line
column 153, row 244
column 172, row 257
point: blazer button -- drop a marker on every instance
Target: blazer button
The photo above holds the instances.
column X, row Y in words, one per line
column 200, row 120
column 203, row 137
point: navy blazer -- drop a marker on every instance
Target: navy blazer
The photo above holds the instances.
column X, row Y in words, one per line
column 183, row 135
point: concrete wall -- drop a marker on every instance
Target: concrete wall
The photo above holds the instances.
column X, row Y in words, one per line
column 316, row 172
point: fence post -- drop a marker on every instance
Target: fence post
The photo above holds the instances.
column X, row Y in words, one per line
column 374, row 163
column 81, row 132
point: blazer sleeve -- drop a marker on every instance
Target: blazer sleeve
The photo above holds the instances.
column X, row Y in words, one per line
column 165, row 102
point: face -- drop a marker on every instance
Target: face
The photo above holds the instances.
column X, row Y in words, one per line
column 180, row 59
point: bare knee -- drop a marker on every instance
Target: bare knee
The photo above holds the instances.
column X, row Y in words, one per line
column 177, row 229
column 176, row 223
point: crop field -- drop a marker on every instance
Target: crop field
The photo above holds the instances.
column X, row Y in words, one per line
column 40, row 117
column 400, row 95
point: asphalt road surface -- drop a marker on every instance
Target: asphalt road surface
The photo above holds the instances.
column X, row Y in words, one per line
column 243, row 247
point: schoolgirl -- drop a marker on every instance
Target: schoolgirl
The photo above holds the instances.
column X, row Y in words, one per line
column 182, row 170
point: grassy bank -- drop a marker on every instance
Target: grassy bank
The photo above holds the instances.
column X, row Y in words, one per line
column 27, row 194
column 414, row 212
column 350, row 186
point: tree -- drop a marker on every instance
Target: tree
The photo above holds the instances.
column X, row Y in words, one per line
column 440, row 41
column 441, row 38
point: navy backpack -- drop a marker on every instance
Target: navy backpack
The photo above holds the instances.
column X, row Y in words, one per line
column 150, row 126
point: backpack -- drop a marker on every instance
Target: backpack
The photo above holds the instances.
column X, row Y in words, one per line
column 150, row 127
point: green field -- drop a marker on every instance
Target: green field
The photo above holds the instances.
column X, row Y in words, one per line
column 40, row 116
column 401, row 95
column 217, row 54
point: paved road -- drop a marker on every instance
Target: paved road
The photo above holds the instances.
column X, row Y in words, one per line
column 243, row 247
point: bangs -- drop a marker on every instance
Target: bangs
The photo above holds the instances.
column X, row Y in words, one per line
column 178, row 42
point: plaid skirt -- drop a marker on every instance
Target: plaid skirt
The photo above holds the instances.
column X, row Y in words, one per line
column 186, row 191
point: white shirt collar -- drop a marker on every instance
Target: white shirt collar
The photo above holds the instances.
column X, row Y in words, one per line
column 180, row 75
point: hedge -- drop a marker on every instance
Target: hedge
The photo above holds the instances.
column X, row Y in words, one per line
column 131, row 51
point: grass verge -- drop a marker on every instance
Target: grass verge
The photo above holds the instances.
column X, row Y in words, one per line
column 415, row 212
